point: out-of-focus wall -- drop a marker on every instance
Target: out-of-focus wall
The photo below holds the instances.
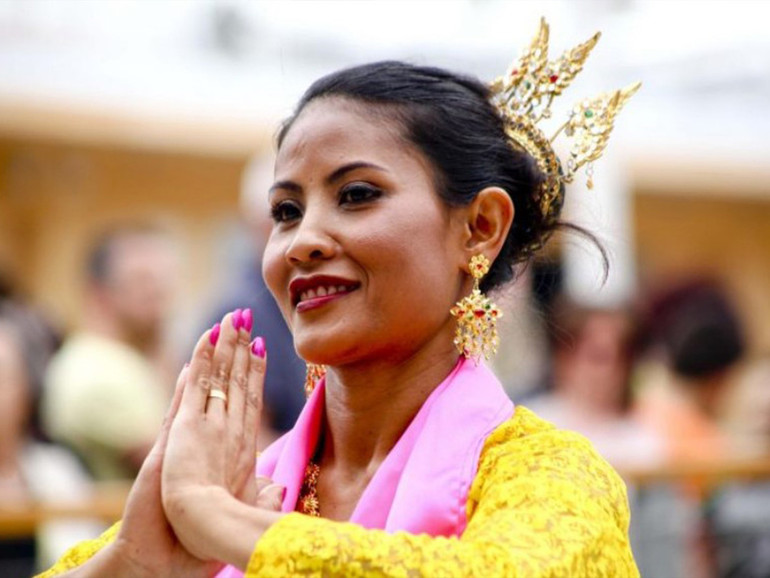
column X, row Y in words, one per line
column 55, row 196
column 709, row 219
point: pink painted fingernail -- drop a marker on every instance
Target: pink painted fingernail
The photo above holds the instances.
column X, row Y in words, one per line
column 258, row 347
column 248, row 319
column 214, row 335
column 237, row 319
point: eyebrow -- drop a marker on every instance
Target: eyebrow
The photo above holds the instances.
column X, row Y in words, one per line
column 331, row 179
column 344, row 169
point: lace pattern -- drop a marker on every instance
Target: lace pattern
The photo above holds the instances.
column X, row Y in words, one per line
column 544, row 504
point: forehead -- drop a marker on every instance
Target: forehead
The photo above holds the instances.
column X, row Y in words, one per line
column 334, row 130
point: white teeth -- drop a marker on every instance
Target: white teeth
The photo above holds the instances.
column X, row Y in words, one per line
column 322, row 292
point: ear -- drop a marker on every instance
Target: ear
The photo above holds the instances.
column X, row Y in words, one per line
column 489, row 218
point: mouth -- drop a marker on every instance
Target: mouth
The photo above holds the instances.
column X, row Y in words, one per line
column 311, row 292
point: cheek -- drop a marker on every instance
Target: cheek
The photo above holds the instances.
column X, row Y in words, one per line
column 275, row 270
column 408, row 260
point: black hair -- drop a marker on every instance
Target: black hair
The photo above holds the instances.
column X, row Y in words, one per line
column 697, row 326
column 449, row 117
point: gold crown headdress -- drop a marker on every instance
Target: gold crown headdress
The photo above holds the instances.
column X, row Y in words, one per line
column 524, row 96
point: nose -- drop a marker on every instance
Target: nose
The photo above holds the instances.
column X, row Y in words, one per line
column 311, row 241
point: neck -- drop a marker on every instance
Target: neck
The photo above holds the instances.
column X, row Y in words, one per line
column 369, row 405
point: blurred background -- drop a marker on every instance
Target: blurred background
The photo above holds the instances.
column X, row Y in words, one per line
column 134, row 150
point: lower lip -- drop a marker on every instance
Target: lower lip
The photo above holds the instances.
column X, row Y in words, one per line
column 317, row 302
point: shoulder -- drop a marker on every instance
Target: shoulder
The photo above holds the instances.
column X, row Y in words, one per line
column 539, row 458
column 527, row 430
column 550, row 499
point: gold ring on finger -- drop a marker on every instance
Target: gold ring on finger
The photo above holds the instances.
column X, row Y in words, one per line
column 218, row 394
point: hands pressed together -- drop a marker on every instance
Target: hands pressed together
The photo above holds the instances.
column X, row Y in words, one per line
column 202, row 466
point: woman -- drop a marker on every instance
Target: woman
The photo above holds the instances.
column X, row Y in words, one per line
column 594, row 351
column 395, row 187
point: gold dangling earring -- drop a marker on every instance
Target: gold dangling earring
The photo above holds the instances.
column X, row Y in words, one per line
column 314, row 373
column 477, row 317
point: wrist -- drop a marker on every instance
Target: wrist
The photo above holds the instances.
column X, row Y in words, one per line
column 232, row 528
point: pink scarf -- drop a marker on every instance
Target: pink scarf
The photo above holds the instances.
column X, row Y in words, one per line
column 422, row 485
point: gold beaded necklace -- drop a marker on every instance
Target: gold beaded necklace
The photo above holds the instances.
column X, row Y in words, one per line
column 307, row 503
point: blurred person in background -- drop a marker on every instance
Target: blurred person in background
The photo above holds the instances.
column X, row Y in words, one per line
column 695, row 340
column 740, row 511
column 32, row 471
column 105, row 394
column 593, row 357
column 284, row 396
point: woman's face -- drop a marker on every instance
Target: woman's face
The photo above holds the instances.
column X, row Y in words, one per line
column 598, row 367
column 364, row 258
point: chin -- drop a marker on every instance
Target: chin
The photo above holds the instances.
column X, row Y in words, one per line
column 313, row 347
column 324, row 349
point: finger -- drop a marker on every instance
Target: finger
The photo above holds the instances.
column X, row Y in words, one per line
column 173, row 408
column 251, row 489
column 176, row 398
column 238, row 383
column 222, row 361
column 194, row 396
column 262, row 482
column 271, row 497
column 254, row 395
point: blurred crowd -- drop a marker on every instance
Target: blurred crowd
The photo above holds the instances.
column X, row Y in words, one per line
column 661, row 384
column 664, row 380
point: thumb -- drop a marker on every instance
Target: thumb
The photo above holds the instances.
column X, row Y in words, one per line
column 160, row 442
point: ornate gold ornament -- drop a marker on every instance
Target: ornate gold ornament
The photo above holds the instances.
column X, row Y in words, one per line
column 476, row 333
column 313, row 373
column 524, row 96
column 307, row 502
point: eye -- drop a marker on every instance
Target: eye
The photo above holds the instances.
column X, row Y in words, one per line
column 286, row 211
column 357, row 193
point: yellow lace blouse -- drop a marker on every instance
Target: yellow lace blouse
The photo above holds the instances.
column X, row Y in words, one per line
column 543, row 505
